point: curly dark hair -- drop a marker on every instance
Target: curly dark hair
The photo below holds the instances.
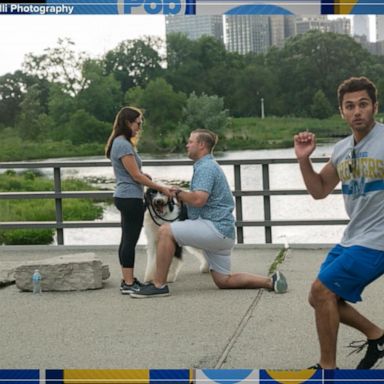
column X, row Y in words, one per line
column 355, row 84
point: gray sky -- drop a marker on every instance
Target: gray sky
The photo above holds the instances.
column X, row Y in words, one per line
column 94, row 34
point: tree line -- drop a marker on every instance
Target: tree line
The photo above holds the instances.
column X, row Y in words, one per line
column 63, row 96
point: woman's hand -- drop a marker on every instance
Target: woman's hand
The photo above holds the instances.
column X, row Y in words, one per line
column 167, row 191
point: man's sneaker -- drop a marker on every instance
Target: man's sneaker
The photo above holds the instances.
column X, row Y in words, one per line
column 150, row 290
column 279, row 282
column 375, row 351
column 127, row 289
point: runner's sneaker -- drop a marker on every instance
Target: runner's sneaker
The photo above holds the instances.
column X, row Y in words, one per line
column 279, row 282
column 126, row 289
column 375, row 351
column 150, row 290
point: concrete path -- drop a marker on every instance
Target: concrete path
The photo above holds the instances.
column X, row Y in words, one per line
column 198, row 326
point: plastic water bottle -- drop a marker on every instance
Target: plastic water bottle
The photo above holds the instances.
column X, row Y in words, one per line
column 36, row 281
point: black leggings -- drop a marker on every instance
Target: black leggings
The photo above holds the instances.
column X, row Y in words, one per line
column 132, row 217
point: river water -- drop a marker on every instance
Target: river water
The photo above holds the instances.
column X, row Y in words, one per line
column 282, row 176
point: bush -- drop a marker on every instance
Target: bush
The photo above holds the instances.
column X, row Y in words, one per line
column 40, row 209
column 26, row 236
column 321, row 107
column 84, row 128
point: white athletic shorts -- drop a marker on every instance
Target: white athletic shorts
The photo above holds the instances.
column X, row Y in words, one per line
column 203, row 234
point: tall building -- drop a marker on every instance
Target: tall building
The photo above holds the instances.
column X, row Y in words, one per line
column 290, row 26
column 277, row 30
column 196, row 26
column 379, row 45
column 247, row 33
column 379, row 27
column 308, row 23
column 341, row 25
column 281, row 27
column 361, row 25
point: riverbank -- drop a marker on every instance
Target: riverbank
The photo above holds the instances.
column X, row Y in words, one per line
column 241, row 134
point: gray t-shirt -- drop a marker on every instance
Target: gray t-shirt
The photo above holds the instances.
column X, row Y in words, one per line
column 361, row 171
column 126, row 187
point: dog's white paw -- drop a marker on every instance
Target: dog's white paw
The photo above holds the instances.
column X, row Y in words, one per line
column 149, row 274
column 148, row 278
column 204, row 267
column 174, row 270
column 171, row 278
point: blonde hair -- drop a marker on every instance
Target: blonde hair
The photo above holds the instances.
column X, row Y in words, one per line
column 120, row 127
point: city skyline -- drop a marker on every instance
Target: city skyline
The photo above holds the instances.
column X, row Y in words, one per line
column 44, row 31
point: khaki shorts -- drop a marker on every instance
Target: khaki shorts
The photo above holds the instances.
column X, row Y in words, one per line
column 202, row 234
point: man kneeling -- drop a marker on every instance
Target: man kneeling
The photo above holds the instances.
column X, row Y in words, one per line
column 210, row 226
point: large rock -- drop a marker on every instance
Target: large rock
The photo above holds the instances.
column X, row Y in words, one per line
column 7, row 271
column 75, row 272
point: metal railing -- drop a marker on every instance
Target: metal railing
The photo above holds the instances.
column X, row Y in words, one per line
column 58, row 195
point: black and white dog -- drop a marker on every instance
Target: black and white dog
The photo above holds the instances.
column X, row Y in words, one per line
column 161, row 210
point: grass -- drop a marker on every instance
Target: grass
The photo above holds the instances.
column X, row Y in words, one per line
column 242, row 133
column 278, row 260
column 273, row 132
column 40, row 209
column 14, row 149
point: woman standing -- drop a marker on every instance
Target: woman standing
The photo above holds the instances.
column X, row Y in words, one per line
column 129, row 192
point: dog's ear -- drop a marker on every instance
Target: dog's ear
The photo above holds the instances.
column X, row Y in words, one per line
column 150, row 191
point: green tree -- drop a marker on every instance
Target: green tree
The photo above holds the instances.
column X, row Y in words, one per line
column 61, row 106
column 203, row 112
column 84, row 128
column 134, row 62
column 321, row 108
column 61, row 65
column 12, row 90
column 199, row 66
column 315, row 61
column 251, row 85
column 101, row 95
column 133, row 97
column 162, row 108
column 28, row 119
column 212, row 56
column 183, row 67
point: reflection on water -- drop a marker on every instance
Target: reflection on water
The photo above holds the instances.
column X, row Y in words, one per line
column 282, row 176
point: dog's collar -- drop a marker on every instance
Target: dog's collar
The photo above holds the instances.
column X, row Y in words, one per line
column 154, row 215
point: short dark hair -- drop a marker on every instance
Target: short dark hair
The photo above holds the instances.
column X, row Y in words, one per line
column 355, row 84
column 207, row 137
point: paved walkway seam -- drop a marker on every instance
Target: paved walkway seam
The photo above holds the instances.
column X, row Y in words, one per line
column 239, row 330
